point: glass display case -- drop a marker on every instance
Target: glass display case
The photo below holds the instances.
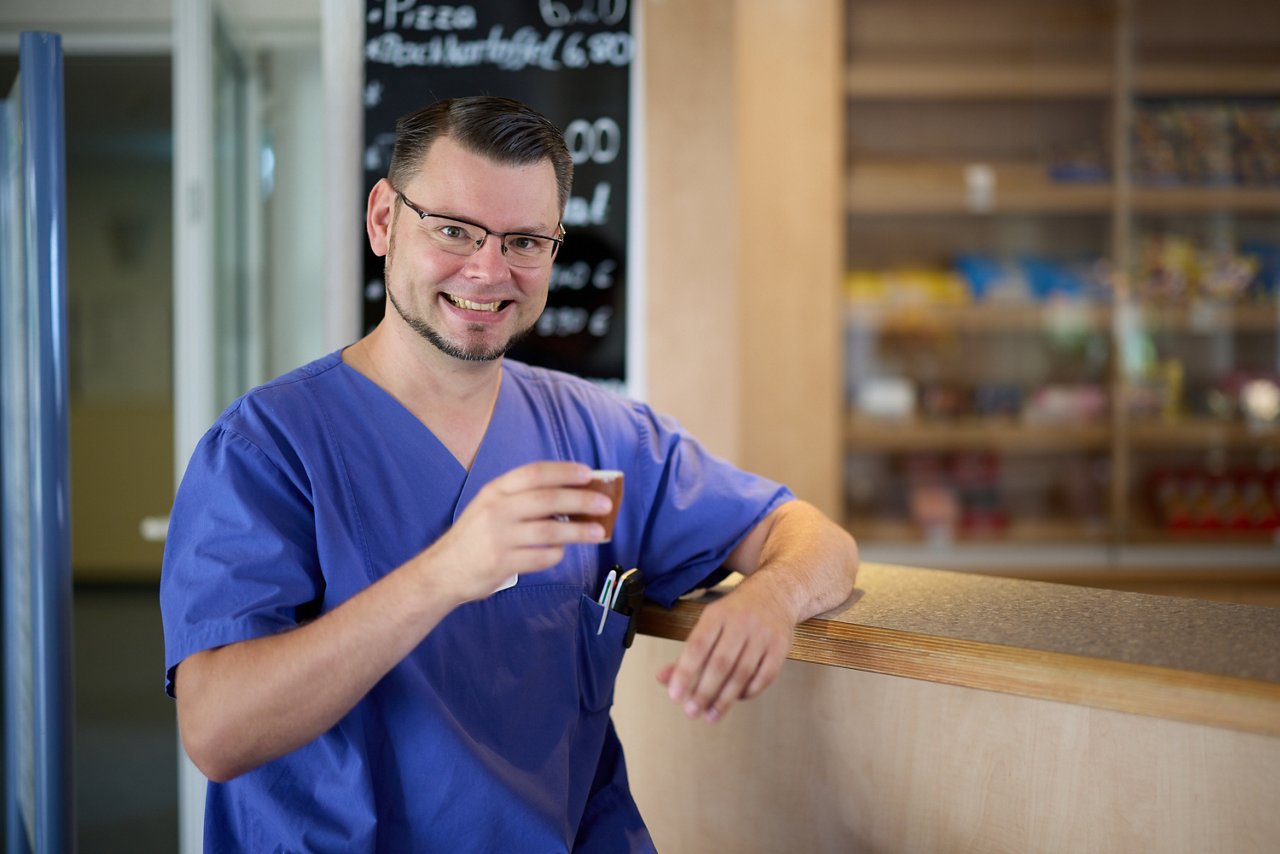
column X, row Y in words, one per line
column 1062, row 311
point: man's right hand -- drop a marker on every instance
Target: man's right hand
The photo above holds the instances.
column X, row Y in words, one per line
column 517, row 523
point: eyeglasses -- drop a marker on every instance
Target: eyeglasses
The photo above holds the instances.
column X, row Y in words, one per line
column 461, row 237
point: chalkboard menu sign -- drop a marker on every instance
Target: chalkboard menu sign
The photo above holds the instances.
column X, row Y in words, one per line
column 571, row 61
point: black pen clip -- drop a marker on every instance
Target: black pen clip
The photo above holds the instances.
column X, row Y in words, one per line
column 628, row 601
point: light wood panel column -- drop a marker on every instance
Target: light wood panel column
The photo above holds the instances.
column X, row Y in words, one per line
column 788, row 76
column 692, row 282
column 744, row 113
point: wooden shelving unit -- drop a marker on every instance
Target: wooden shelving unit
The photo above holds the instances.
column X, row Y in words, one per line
column 902, row 436
column 1201, row 434
column 1208, row 318
column 979, row 319
column 879, row 188
column 1020, row 77
column 958, row 118
column 1012, row 78
column 1211, row 318
column 1018, row 532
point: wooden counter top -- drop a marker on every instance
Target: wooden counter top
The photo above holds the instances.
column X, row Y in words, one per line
column 1184, row 659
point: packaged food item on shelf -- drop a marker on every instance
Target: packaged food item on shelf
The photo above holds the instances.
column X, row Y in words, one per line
column 886, row 397
column 1166, row 267
column 1033, row 278
column 864, row 287
column 1081, row 163
column 905, row 287
column 1266, row 281
column 1158, row 393
column 1260, row 400
column 977, row 479
column 992, row 280
column 1074, row 403
column 932, row 503
column 1249, row 396
column 1207, row 142
column 1256, row 126
column 997, row 400
column 1200, row 500
column 943, row 400
column 1177, row 268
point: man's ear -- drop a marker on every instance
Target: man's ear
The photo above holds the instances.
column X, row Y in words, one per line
column 378, row 215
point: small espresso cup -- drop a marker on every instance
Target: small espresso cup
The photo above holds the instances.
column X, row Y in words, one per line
column 609, row 483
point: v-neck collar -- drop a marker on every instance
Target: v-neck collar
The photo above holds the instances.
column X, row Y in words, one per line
column 496, row 453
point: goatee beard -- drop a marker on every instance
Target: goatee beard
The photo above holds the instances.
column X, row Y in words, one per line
column 448, row 347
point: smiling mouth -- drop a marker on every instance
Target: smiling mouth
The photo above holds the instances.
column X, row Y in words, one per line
column 477, row 306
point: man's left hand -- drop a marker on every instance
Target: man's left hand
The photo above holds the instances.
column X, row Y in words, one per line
column 733, row 653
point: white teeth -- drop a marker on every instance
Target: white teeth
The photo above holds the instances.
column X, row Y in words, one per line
column 474, row 306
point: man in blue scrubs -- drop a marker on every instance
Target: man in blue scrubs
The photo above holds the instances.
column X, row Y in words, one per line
column 381, row 624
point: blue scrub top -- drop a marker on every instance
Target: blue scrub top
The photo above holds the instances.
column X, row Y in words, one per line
column 494, row 733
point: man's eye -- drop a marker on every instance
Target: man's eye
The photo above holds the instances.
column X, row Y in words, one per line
column 453, row 232
column 522, row 244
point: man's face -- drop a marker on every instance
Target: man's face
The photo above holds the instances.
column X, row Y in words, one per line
column 470, row 307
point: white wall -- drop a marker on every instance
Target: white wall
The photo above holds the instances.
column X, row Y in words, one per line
column 295, row 216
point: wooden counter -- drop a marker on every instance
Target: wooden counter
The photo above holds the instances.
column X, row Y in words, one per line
column 974, row 713
column 1205, row 662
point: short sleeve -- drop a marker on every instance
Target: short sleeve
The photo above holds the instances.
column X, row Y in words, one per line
column 240, row 557
column 700, row 507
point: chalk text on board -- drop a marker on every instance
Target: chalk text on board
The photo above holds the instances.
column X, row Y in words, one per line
column 598, row 141
column 563, row 321
column 524, row 48
column 580, row 211
column 408, row 15
column 579, row 274
column 559, row 14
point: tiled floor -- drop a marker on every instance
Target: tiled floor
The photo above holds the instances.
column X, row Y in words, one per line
column 126, row 737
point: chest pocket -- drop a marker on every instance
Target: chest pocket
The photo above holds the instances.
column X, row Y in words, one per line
column 599, row 653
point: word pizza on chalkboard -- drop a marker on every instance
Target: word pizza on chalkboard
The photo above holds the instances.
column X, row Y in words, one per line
column 571, row 61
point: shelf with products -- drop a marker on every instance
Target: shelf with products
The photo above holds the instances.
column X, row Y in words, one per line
column 1200, row 317
column 1200, row 434
column 936, row 187
column 894, row 435
column 890, row 530
column 1063, row 248
column 920, row 317
column 1022, row 77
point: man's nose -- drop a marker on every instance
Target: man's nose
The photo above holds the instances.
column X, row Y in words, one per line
column 489, row 258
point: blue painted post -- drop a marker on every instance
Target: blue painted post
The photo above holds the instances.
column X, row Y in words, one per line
column 42, row 220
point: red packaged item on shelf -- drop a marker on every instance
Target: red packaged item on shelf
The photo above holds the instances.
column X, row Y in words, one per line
column 1258, row 510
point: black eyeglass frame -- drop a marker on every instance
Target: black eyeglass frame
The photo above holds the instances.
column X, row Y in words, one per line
column 502, row 236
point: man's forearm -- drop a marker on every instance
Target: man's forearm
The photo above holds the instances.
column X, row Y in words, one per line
column 245, row 704
column 802, row 556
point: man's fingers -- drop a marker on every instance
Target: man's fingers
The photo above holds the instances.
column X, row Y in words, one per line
column 692, row 659
column 551, row 532
column 735, row 687
column 557, row 501
column 722, row 664
column 770, row 667
column 542, row 475
column 732, row 654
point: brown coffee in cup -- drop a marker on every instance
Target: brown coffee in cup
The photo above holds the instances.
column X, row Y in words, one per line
column 607, row 482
